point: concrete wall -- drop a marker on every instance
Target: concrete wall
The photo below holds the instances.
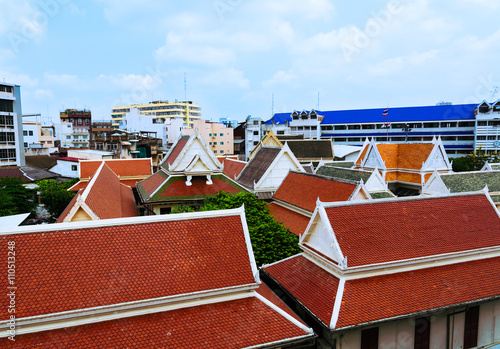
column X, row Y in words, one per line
column 400, row 334
column 65, row 168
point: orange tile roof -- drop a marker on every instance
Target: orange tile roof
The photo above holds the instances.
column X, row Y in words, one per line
column 128, row 182
column 386, row 296
column 302, row 190
column 91, row 267
column 121, row 167
column 235, row 324
column 295, row 222
column 108, row 198
column 362, row 155
column 405, row 155
column 403, row 176
column 232, row 168
column 413, row 228
column 153, row 182
column 311, row 285
column 268, row 294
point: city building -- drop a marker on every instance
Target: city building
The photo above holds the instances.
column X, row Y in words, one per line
column 68, row 167
column 160, row 110
column 11, row 129
column 81, row 121
column 487, row 135
column 189, row 173
column 104, row 197
column 64, row 133
column 167, row 129
column 252, row 134
column 304, row 123
column 219, row 136
column 36, row 135
column 397, row 273
column 455, row 124
column 169, row 281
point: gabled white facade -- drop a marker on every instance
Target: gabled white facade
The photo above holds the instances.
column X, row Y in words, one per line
column 284, row 162
column 435, row 186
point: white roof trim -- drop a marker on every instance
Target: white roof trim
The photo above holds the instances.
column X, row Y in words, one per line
column 337, row 304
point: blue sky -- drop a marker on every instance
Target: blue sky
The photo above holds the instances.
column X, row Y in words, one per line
column 98, row 54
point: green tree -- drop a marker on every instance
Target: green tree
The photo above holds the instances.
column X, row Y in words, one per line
column 15, row 198
column 270, row 240
column 474, row 161
column 55, row 196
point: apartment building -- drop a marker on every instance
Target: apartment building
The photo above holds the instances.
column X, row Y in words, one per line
column 81, row 121
column 487, row 127
column 11, row 131
column 161, row 110
column 219, row 136
column 37, row 136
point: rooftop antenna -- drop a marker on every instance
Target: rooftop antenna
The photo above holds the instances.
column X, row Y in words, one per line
column 185, row 88
column 272, row 106
column 318, row 101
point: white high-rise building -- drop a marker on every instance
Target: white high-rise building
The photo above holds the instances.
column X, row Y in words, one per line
column 11, row 126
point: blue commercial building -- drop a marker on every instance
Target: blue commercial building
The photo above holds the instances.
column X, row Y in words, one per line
column 455, row 124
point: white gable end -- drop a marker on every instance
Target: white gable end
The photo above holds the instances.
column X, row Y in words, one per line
column 376, row 182
column 373, row 159
column 321, row 237
column 435, row 186
column 278, row 170
column 194, row 149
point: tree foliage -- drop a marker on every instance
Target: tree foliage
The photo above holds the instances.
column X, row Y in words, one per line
column 15, row 198
column 55, row 196
column 474, row 161
column 270, row 240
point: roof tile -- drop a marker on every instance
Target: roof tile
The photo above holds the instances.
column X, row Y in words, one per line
column 295, row 222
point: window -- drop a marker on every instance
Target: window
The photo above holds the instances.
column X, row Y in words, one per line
column 340, row 139
column 6, row 106
column 68, row 137
column 85, row 137
column 74, row 168
column 209, row 143
column 422, row 333
column 25, row 144
column 221, row 143
column 281, row 132
column 222, row 134
column 255, row 133
column 222, row 151
column 369, row 338
column 466, row 138
column 466, row 124
column 255, row 143
column 215, row 151
column 482, row 123
column 31, row 133
column 165, row 210
column 326, row 128
column 471, row 327
column 7, row 120
column 368, row 127
column 25, row 133
column 7, row 153
column 209, row 135
column 481, row 138
column 354, row 139
column 431, row 125
column 492, row 138
column 353, row 127
column 7, row 137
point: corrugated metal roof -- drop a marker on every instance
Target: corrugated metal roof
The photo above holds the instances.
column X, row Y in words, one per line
column 427, row 113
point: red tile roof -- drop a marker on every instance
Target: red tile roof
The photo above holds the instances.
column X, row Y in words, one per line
column 108, row 198
column 387, row 296
column 91, row 267
column 121, row 167
column 268, row 294
column 405, row 293
column 314, row 287
column 295, row 222
column 13, row 173
column 405, row 155
column 380, row 232
column 177, row 150
column 235, row 324
column 178, row 188
column 153, row 182
column 303, row 190
column 70, row 159
column 232, row 168
column 128, row 182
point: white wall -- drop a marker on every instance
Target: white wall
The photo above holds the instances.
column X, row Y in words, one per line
column 68, row 169
column 400, row 334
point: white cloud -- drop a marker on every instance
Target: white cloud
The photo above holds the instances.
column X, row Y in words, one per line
column 44, row 94
column 128, row 81
column 62, row 80
column 312, row 9
column 227, row 79
column 23, row 80
column 280, row 78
